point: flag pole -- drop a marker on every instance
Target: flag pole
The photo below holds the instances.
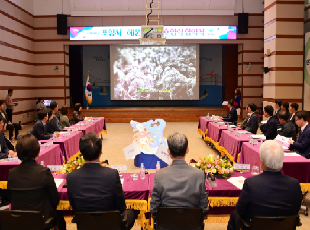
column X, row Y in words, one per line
column 87, row 100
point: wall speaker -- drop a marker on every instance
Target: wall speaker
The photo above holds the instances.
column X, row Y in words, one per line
column 243, row 23
column 62, row 24
column 266, row 70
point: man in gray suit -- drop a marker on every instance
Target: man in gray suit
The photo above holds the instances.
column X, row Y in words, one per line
column 179, row 185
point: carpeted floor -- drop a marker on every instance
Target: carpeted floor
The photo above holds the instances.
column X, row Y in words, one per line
column 121, row 134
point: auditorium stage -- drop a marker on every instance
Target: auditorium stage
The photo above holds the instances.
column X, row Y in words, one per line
column 142, row 114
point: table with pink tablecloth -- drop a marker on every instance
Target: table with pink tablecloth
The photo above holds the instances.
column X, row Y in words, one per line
column 294, row 166
column 69, row 145
column 215, row 131
column 50, row 155
column 232, row 143
column 97, row 126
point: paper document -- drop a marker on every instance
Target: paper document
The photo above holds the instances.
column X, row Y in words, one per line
column 237, row 181
column 122, row 181
column 233, row 126
column 58, row 182
column 260, row 136
column 292, row 154
column 263, row 122
column 242, row 131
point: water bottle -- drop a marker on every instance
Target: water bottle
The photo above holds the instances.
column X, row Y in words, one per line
column 42, row 163
column 208, row 117
column 142, row 171
column 158, row 166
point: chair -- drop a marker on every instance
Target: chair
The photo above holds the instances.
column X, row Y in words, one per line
column 111, row 220
column 179, row 218
column 20, row 220
column 273, row 223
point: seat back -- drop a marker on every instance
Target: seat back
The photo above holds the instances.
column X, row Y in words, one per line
column 21, row 220
column 274, row 223
column 179, row 218
column 98, row 220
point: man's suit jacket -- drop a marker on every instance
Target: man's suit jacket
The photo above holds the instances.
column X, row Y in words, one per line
column 179, row 185
column 232, row 116
column 288, row 130
column 270, row 128
column 95, row 188
column 244, row 123
column 38, row 131
column 293, row 120
column 252, row 125
column 31, row 187
column 276, row 115
column 302, row 146
column 4, row 151
column 55, row 124
column 269, row 194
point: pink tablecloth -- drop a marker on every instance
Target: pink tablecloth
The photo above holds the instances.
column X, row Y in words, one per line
column 232, row 143
column 215, row 131
column 97, row 126
column 69, row 145
column 297, row 167
column 50, row 156
column 203, row 124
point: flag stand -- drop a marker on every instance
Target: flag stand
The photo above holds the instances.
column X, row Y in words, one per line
column 87, row 106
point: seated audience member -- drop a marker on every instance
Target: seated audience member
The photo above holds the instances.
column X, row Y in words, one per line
column 270, row 194
column 94, row 188
column 40, row 105
column 232, row 115
column 55, row 124
column 270, row 128
column 302, row 146
column 31, row 186
column 179, row 184
column 244, row 123
column 39, row 128
column 278, row 109
column 64, row 120
column 285, row 107
column 252, row 124
column 293, row 109
column 4, row 150
column 48, row 122
column 288, row 128
column 9, row 125
column 76, row 116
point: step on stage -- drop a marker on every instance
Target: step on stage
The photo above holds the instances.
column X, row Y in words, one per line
column 142, row 114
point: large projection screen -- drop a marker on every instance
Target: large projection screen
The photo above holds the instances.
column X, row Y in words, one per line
column 168, row 72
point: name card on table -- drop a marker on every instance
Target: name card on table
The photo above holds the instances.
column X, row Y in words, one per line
column 253, row 142
column 230, row 129
column 163, row 154
column 237, row 134
column 55, row 168
column 48, row 144
column 131, row 151
column 242, row 166
column 119, row 167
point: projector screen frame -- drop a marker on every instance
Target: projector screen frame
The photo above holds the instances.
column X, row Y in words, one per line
column 196, row 93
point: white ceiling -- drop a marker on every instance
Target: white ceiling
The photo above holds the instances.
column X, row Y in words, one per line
column 137, row 7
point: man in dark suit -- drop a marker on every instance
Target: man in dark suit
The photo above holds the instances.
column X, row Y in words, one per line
column 288, row 128
column 293, row 110
column 252, row 125
column 39, row 129
column 232, row 115
column 94, row 188
column 4, row 150
column 270, row 194
column 244, row 123
column 270, row 128
column 179, row 184
column 278, row 109
column 302, row 146
column 9, row 125
column 31, row 186
column 55, row 123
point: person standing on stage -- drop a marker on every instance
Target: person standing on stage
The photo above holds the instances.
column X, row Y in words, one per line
column 237, row 100
column 10, row 105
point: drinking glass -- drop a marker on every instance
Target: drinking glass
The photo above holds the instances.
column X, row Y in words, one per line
column 255, row 170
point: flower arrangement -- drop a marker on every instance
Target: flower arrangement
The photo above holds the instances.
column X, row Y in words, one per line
column 78, row 163
column 216, row 166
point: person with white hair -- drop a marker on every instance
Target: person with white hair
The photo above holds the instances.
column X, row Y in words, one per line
column 269, row 194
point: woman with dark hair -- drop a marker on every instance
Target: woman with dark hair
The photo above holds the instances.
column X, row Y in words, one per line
column 76, row 116
column 48, row 122
column 237, row 101
column 64, row 120
column 31, row 186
